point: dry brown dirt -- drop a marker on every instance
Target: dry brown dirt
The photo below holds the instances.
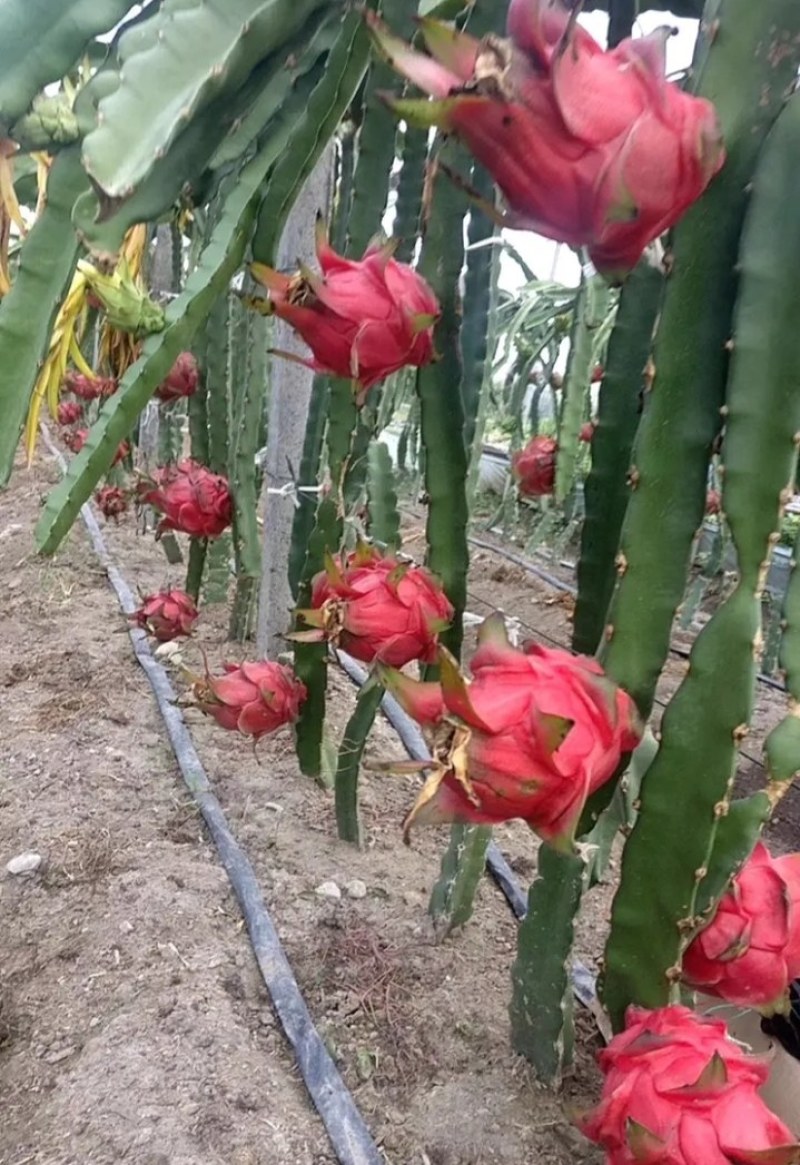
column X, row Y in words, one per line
column 133, row 1023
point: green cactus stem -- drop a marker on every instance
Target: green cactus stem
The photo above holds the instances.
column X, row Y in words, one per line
column 249, row 406
column 184, row 316
column 198, row 51
column 308, row 473
column 198, row 548
column 351, row 749
column 463, row 863
column 747, row 58
column 591, row 306
column 606, row 490
column 439, row 393
column 656, row 907
column 345, row 67
column 541, row 997
column 40, row 44
column 28, row 311
column 384, row 516
column 376, row 140
column 408, row 207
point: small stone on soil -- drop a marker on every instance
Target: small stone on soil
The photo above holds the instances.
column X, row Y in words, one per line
column 27, row 863
column 355, row 889
column 328, row 890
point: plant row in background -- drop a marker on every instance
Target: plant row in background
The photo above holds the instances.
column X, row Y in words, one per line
column 141, row 283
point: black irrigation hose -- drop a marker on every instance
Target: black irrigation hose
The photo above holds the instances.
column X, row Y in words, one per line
column 527, row 565
column 583, row 981
column 348, row 1133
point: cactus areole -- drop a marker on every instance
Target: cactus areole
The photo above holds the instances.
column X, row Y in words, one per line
column 533, row 734
column 588, row 147
column 362, row 319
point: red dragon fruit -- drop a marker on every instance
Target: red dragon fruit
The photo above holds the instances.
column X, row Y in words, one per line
column 376, row 607
column 69, row 412
column 362, row 319
column 590, row 148
column 191, row 498
column 182, row 379
column 532, row 736
column 253, row 698
column 534, row 467
column 111, row 501
column 166, row 615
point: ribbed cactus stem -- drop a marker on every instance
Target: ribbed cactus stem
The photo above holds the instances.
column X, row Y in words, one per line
column 664, row 869
column 249, row 406
column 438, row 389
column 741, row 69
column 606, row 489
column 408, row 206
column 198, row 548
column 463, row 863
column 591, row 307
column 359, row 726
column 541, row 999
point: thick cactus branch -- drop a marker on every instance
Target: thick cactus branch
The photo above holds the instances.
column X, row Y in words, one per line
column 663, row 868
column 747, row 58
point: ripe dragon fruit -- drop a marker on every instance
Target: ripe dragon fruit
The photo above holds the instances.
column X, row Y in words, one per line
column 191, row 498
column 362, row 319
column 166, row 615
column 590, row 148
column 69, row 412
column 182, row 379
column 89, row 387
column 76, row 439
column 534, row 467
column 749, row 952
column 533, row 734
column 376, row 607
column 679, row 1091
column 111, row 501
column 253, row 698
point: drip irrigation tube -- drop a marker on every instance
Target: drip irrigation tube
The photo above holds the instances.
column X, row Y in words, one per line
column 559, row 585
column 346, row 1128
column 583, row 981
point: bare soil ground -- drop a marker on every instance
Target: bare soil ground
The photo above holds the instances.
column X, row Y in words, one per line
column 133, row 1023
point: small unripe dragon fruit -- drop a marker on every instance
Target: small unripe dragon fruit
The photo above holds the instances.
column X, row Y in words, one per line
column 69, row 412
column 182, row 379
column 111, row 501
column 76, row 439
column 166, row 615
column 89, row 387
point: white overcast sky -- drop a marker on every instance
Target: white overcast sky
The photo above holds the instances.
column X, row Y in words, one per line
column 549, row 260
